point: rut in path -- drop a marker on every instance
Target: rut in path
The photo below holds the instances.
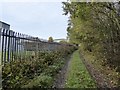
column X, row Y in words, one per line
column 61, row 76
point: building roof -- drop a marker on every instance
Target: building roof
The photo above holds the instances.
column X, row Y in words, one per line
column 4, row 23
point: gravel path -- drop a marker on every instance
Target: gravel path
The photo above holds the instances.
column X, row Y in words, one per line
column 61, row 76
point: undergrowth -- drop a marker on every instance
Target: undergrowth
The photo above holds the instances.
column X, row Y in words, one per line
column 34, row 71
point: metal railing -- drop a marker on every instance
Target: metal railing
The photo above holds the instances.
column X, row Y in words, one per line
column 13, row 44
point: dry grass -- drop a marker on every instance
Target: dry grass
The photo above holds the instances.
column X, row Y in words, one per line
column 109, row 73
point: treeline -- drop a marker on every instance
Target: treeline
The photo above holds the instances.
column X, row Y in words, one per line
column 95, row 27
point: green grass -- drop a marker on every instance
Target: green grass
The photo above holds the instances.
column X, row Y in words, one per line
column 78, row 76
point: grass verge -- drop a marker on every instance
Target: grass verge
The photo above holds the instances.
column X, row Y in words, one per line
column 109, row 74
column 78, row 76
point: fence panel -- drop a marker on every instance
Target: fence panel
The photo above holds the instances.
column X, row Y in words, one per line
column 16, row 46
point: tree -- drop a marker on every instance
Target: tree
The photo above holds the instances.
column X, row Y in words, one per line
column 63, row 42
column 50, row 39
column 96, row 27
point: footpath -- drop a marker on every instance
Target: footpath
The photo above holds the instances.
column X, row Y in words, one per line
column 74, row 74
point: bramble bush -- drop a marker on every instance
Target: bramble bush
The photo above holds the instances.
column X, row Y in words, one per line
column 24, row 72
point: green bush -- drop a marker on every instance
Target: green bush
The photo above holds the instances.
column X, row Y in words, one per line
column 21, row 72
column 42, row 81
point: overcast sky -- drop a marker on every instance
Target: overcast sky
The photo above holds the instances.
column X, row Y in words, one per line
column 39, row 19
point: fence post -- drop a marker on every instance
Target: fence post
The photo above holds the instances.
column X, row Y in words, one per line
column 13, row 46
column 36, row 47
column 20, row 46
column 0, row 46
column 17, row 45
column 0, row 61
column 2, row 54
column 15, row 36
column 5, row 53
column 8, row 54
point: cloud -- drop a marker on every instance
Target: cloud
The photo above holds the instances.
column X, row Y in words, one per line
column 33, row 0
column 41, row 19
column 59, row 0
column 32, row 11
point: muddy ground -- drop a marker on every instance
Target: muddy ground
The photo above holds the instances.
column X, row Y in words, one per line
column 61, row 76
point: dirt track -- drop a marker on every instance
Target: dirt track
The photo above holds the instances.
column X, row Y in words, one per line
column 99, row 78
column 61, row 76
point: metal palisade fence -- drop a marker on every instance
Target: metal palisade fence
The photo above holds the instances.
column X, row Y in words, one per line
column 16, row 45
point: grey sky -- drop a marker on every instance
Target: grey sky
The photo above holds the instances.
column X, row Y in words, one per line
column 39, row 19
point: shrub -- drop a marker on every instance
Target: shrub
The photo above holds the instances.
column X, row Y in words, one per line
column 20, row 72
